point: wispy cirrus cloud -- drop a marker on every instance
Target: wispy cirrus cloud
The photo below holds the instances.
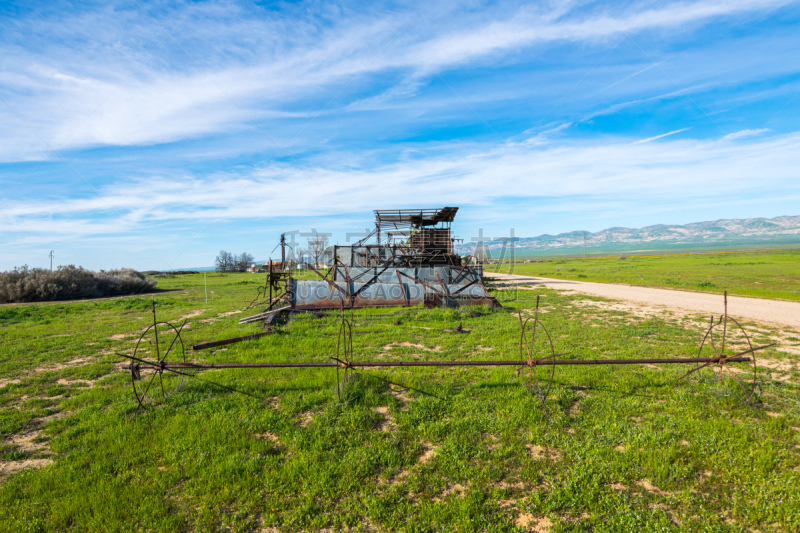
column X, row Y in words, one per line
column 656, row 137
column 614, row 168
column 147, row 80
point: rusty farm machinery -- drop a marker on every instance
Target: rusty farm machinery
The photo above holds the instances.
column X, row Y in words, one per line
column 407, row 260
column 160, row 355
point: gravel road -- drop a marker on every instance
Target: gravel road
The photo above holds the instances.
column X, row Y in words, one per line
column 772, row 311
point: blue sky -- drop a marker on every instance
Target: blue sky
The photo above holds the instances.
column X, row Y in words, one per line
column 153, row 135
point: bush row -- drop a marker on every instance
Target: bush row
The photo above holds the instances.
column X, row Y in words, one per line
column 25, row 284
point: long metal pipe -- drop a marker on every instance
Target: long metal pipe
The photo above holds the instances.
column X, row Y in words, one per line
column 518, row 362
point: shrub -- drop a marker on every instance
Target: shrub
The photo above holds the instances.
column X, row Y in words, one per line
column 25, row 284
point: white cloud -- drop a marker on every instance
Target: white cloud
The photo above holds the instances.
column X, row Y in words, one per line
column 102, row 89
column 744, row 134
column 676, row 170
column 660, row 136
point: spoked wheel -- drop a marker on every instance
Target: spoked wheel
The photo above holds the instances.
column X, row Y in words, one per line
column 723, row 340
column 344, row 350
column 726, row 339
column 159, row 344
column 536, row 352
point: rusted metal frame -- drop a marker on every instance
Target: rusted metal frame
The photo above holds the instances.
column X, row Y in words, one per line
column 261, row 316
column 359, row 276
column 402, row 287
column 367, row 364
column 320, row 274
column 329, row 282
column 420, row 282
column 275, row 301
column 214, row 344
column 289, row 288
column 444, row 287
column 367, row 284
column 455, row 279
column 348, row 297
column 470, row 284
column 721, row 359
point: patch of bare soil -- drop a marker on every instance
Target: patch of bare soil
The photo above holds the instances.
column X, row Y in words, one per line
column 12, row 467
column 649, row 487
column 519, row 485
column 306, row 418
column 532, row 312
column 274, row 402
column 540, row 452
column 621, row 448
column 80, row 361
column 191, row 315
column 617, row 486
column 388, row 424
column 229, row 313
column 531, row 523
column 394, row 480
column 776, row 370
column 410, row 345
column 450, row 490
column 400, row 394
column 428, row 454
column 637, row 311
column 78, row 382
column 269, row 436
column 121, row 336
column 4, row 382
column 25, row 442
column 29, row 441
column 492, row 442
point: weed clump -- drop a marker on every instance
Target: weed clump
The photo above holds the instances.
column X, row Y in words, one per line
column 360, row 389
column 25, row 284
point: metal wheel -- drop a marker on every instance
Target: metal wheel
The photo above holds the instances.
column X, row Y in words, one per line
column 344, row 349
column 535, row 353
column 725, row 339
column 160, row 343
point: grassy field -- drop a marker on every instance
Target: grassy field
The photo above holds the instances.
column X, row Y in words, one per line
column 762, row 274
column 437, row 449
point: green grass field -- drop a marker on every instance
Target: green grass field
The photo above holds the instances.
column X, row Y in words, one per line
column 762, row 274
column 427, row 449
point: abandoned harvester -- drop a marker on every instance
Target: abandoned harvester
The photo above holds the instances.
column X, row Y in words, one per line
column 407, row 259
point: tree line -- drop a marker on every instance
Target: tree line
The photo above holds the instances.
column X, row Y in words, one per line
column 228, row 262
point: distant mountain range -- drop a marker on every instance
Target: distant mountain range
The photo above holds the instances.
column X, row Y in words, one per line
column 734, row 232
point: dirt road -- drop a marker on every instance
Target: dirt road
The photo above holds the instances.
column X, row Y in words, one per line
column 772, row 311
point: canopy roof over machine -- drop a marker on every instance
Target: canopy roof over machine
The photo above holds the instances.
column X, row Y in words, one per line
column 414, row 218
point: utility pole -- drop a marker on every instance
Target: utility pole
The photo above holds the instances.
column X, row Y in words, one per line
column 52, row 253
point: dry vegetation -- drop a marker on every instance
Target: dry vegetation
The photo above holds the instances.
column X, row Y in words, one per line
column 25, row 284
